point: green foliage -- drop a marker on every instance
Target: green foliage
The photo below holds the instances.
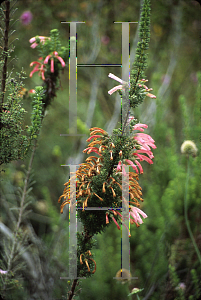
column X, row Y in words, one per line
column 85, row 242
column 164, row 190
column 15, row 139
column 175, row 283
column 196, row 283
column 37, row 115
column 140, row 64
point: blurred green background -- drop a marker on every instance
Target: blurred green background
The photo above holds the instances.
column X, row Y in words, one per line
column 173, row 65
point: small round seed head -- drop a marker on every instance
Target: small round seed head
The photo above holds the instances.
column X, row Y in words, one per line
column 123, row 275
column 189, row 147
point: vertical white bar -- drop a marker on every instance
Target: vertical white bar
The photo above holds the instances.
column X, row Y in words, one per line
column 73, row 81
column 125, row 73
column 125, row 263
column 72, row 225
column 125, row 258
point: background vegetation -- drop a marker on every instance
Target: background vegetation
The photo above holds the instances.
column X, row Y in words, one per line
column 162, row 254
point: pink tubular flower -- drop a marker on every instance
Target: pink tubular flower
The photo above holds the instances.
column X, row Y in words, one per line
column 33, row 41
column 138, row 126
column 52, row 56
column 150, row 95
column 135, row 213
column 145, row 140
column 181, row 286
column 32, row 91
column 148, row 152
column 143, row 157
column 107, row 219
column 123, row 222
column 117, row 213
column 116, row 223
column 3, row 272
column 146, row 88
column 139, row 166
column 130, row 119
column 120, row 167
column 132, row 165
column 118, row 87
column 38, row 68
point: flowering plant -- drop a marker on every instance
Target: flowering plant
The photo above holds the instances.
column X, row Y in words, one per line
column 98, row 182
column 52, row 58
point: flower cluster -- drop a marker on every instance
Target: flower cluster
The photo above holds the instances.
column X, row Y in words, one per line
column 51, row 61
column 99, row 183
column 144, row 89
column 39, row 67
column 52, row 56
column 86, row 260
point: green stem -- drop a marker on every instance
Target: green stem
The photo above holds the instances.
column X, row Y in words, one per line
column 185, row 212
column 128, row 292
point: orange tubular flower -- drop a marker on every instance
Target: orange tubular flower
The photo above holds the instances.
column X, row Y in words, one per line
column 113, row 192
column 91, row 149
column 96, row 129
column 98, row 197
column 94, row 137
column 94, row 264
column 86, row 261
column 104, row 187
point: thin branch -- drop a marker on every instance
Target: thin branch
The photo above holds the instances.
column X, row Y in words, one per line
column 72, row 291
column 25, row 254
column 5, row 50
column 10, row 260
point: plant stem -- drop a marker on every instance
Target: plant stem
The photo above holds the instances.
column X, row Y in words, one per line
column 185, row 212
column 72, row 291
